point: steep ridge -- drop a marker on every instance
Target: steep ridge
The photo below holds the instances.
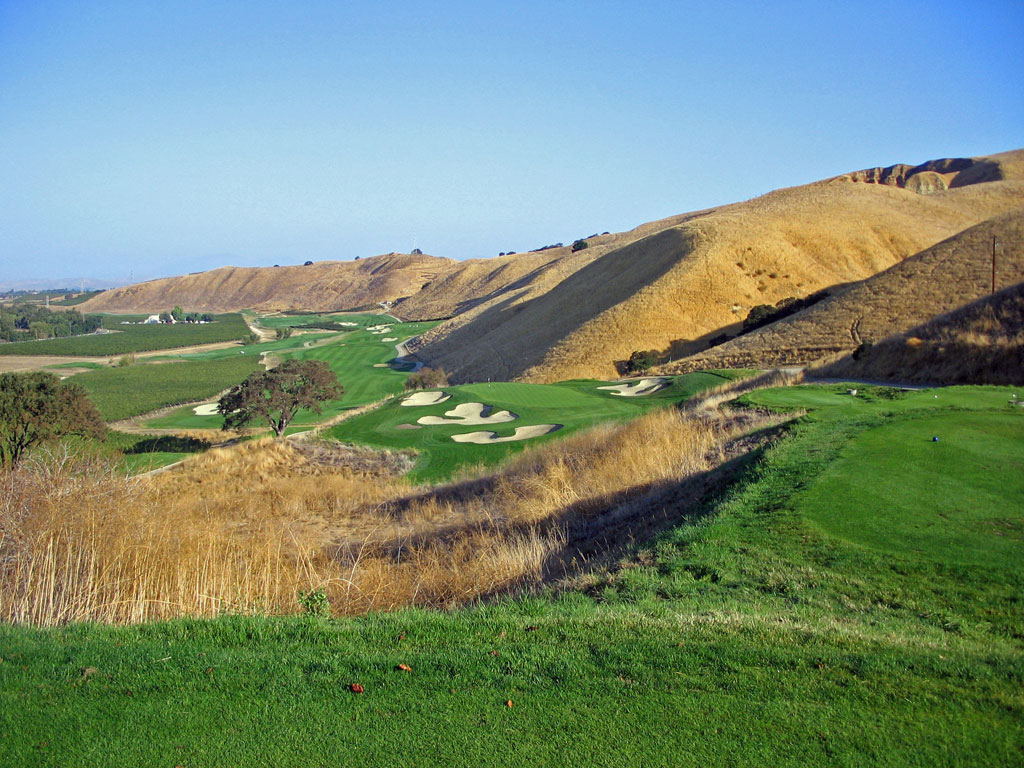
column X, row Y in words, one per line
column 323, row 286
column 677, row 282
column 935, row 281
column 980, row 343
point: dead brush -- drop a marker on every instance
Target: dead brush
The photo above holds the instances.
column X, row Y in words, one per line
column 246, row 529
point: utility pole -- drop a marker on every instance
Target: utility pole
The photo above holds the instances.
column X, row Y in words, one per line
column 993, row 264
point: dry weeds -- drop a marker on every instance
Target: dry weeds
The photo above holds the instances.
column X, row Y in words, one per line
column 243, row 529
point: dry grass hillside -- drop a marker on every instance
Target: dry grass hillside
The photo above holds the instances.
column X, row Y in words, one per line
column 981, row 343
column 674, row 283
column 668, row 284
column 322, row 286
column 948, row 275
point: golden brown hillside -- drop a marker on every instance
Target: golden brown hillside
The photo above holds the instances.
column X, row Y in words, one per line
column 322, row 286
column 674, row 283
column 981, row 343
column 937, row 280
column 668, row 284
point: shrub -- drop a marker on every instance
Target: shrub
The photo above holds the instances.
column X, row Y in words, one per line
column 579, row 245
column 427, row 378
column 314, row 603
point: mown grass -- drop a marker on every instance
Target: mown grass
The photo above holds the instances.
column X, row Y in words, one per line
column 121, row 393
column 748, row 635
column 573, row 404
column 135, row 338
column 352, row 356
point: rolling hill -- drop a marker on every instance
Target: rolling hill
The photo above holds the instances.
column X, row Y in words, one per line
column 935, row 281
column 670, row 284
column 980, row 343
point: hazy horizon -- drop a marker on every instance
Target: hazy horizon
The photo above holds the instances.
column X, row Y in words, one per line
column 146, row 140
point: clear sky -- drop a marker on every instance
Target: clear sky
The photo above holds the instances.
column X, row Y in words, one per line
column 140, row 139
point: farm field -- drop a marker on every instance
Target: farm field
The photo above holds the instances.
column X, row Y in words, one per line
column 753, row 631
column 121, row 393
column 125, row 339
column 571, row 404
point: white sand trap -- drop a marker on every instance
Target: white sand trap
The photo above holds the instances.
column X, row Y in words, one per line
column 426, row 398
column 381, row 365
column 469, row 413
column 206, row 409
column 521, row 433
column 350, row 325
column 637, row 388
column 390, row 338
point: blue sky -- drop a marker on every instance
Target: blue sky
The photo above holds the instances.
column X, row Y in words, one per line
column 140, row 139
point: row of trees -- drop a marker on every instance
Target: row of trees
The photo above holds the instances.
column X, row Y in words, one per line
column 28, row 321
column 178, row 315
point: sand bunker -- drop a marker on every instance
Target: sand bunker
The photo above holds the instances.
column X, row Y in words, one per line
column 426, row 398
column 637, row 388
column 407, row 426
column 350, row 325
column 390, row 338
column 521, row 433
column 469, row 413
column 381, row 365
column 206, row 409
column 379, row 328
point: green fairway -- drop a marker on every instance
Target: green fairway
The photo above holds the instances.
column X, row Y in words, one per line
column 757, row 631
column 359, row 358
column 135, row 337
column 572, row 404
column 895, row 489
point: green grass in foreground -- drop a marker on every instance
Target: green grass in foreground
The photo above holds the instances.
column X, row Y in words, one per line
column 747, row 635
column 135, row 338
column 573, row 404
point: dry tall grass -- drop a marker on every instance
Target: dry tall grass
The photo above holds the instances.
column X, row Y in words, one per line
column 244, row 529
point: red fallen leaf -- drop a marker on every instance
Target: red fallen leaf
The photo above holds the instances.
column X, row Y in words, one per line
column 356, row 688
column 531, row 628
column 509, row 703
column 495, row 653
column 209, row 670
column 404, row 668
column 820, row 665
column 401, row 637
column 128, row 693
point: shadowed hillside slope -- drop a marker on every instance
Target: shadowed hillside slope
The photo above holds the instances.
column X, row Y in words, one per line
column 323, row 286
column 672, row 283
column 981, row 343
column 669, row 284
column 937, row 280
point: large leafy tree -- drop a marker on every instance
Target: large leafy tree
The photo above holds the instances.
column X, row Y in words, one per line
column 37, row 407
column 275, row 396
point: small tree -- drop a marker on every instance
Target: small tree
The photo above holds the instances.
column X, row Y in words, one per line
column 38, row 407
column 579, row 245
column 178, row 314
column 277, row 395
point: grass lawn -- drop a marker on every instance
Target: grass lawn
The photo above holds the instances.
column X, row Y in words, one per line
column 573, row 404
column 135, row 337
column 352, row 356
column 755, row 632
